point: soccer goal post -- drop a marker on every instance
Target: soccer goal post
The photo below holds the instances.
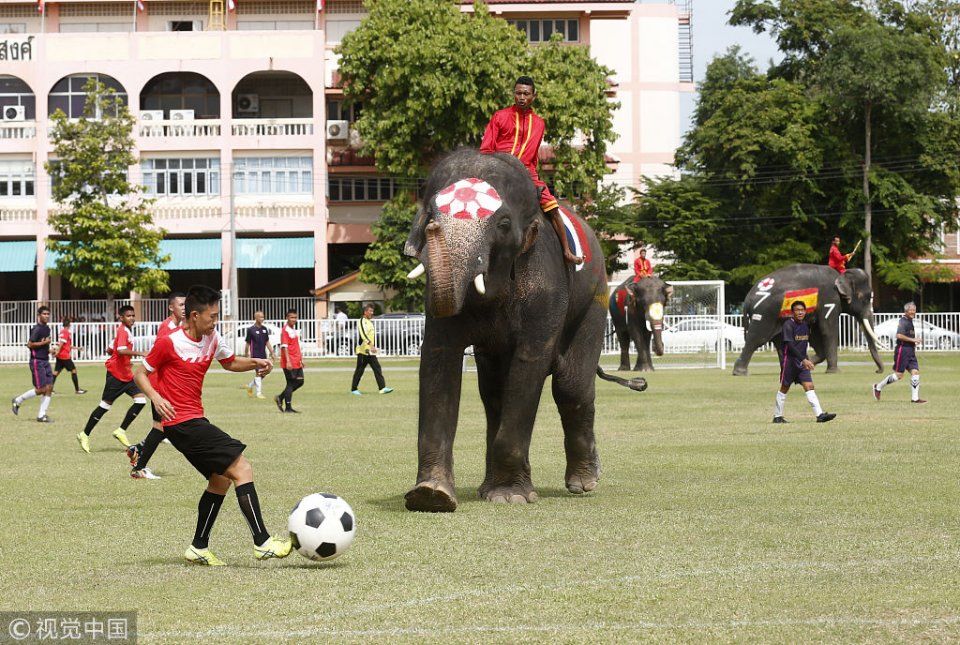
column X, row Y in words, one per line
column 696, row 333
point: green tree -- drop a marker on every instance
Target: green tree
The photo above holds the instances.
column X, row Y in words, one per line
column 105, row 239
column 430, row 76
column 613, row 219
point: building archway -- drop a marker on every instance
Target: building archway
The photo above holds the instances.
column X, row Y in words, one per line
column 181, row 91
column 272, row 95
column 15, row 93
column 69, row 96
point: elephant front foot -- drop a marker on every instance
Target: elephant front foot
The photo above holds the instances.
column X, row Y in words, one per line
column 431, row 497
column 522, row 493
column 642, row 368
column 739, row 370
column 624, row 367
column 583, row 478
column 833, row 369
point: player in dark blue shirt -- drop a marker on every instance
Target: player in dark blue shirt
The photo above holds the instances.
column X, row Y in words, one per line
column 258, row 346
column 905, row 356
column 795, row 366
column 39, row 362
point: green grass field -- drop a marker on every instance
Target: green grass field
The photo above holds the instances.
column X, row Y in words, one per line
column 709, row 523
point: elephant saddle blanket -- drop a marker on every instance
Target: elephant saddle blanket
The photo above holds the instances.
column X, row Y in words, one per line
column 576, row 238
column 807, row 296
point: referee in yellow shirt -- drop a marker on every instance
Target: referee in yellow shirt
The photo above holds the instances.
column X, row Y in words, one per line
column 367, row 354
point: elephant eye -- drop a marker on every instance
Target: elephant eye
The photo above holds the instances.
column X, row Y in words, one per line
column 504, row 224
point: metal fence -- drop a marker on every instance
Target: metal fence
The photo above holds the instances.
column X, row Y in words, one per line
column 402, row 337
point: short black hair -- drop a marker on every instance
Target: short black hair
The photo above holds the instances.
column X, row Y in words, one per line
column 174, row 295
column 124, row 309
column 199, row 297
column 292, row 311
column 526, row 80
column 65, row 322
column 369, row 305
column 798, row 302
column 42, row 308
column 836, row 236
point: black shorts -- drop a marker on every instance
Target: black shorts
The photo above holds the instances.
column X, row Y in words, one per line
column 208, row 448
column 294, row 375
column 114, row 388
column 905, row 359
column 64, row 364
column 40, row 374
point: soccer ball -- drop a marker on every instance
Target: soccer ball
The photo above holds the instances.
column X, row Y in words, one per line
column 322, row 526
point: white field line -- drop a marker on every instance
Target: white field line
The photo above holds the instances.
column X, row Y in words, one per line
column 497, row 594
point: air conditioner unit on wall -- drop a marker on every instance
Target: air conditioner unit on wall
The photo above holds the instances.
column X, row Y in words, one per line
column 14, row 113
column 181, row 115
column 338, row 130
column 248, row 104
column 151, row 115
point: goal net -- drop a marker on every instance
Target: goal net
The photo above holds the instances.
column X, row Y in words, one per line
column 696, row 333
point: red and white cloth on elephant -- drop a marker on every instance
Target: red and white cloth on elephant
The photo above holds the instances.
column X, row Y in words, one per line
column 519, row 133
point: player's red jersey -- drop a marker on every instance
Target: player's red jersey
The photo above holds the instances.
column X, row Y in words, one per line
column 66, row 344
column 180, row 364
column 290, row 340
column 119, row 364
column 166, row 328
column 838, row 260
column 519, row 133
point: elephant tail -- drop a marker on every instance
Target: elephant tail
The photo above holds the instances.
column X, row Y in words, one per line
column 637, row 383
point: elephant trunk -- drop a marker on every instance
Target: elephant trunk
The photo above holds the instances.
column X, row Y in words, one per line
column 441, row 294
column 866, row 325
column 658, row 339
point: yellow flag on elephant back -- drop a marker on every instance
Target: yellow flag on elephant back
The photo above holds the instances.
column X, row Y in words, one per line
column 807, row 296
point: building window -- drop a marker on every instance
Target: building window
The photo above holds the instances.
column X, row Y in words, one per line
column 17, row 179
column 182, row 177
column 13, row 27
column 338, row 110
column 274, row 25
column 181, row 91
column 273, row 175
column 185, row 25
column 88, row 27
column 540, row 30
column 13, row 91
column 360, row 189
column 68, row 94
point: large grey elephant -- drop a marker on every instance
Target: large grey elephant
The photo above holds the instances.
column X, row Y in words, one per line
column 496, row 279
column 637, row 309
column 850, row 293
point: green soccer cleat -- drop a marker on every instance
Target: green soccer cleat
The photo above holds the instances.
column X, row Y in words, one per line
column 203, row 557
column 121, row 436
column 273, row 548
column 84, row 441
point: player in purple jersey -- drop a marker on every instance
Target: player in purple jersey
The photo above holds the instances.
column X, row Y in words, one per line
column 905, row 356
column 40, row 372
column 258, row 345
column 795, row 366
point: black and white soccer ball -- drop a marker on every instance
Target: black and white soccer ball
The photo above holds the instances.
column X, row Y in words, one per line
column 322, row 526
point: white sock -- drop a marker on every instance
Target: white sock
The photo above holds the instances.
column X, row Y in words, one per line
column 781, row 400
column 915, row 387
column 890, row 380
column 814, row 402
column 259, row 382
column 29, row 394
column 44, row 404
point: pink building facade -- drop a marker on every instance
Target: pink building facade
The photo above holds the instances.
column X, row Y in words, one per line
column 247, row 120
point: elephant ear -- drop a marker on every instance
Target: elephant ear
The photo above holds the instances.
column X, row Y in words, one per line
column 530, row 235
column 418, row 234
column 843, row 289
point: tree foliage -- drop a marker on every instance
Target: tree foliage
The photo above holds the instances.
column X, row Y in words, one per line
column 430, row 76
column 105, row 239
column 778, row 155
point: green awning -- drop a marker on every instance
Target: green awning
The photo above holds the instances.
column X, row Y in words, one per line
column 275, row 253
column 18, row 256
column 185, row 255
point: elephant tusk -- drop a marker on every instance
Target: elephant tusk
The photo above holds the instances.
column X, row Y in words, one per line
column 478, row 283
column 867, row 328
column 417, row 272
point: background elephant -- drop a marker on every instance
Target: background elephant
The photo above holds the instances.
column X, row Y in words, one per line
column 496, row 279
column 637, row 310
column 849, row 293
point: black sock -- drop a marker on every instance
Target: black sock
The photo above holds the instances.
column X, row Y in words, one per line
column 76, row 381
column 148, row 446
column 287, row 395
column 132, row 414
column 207, row 511
column 250, row 507
column 94, row 419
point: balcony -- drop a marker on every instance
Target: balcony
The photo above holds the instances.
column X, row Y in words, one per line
column 168, row 128
column 18, row 214
column 18, row 129
column 271, row 127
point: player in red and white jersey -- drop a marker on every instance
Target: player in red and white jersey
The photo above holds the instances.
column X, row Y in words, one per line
column 139, row 454
column 65, row 356
column 119, row 381
column 180, row 362
column 291, row 360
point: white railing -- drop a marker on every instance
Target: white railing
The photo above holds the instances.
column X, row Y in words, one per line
column 18, row 214
column 18, row 130
column 280, row 211
column 167, row 128
column 402, row 337
column 271, row 127
column 25, row 311
column 185, row 211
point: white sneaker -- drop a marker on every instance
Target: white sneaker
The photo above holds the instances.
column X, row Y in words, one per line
column 165, row 441
column 143, row 473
